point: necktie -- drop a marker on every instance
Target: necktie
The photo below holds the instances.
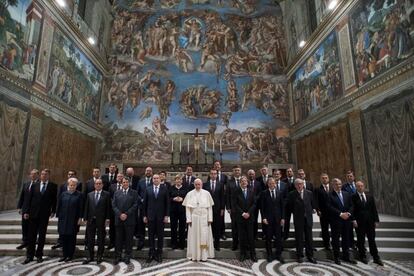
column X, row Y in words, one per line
column 119, row 187
column 43, row 188
column 353, row 187
column 188, row 179
column 30, row 186
column 301, row 195
column 213, row 186
column 327, row 188
column 237, row 182
column 245, row 193
column 96, row 198
column 156, row 192
column 341, row 198
column 125, row 192
column 273, row 195
column 363, row 198
column 111, row 177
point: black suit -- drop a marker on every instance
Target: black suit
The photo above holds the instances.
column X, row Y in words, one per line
column 247, row 204
column 189, row 184
column 107, row 182
column 221, row 177
column 302, row 210
column 96, row 213
column 219, row 205
column 322, row 197
column 24, row 196
column 112, row 232
column 257, row 189
column 177, row 216
column 262, row 179
column 133, row 182
column 339, row 227
column 366, row 215
column 232, row 188
column 39, row 206
column 140, row 229
column 125, row 204
column 290, row 181
column 273, row 212
column 89, row 187
column 156, row 208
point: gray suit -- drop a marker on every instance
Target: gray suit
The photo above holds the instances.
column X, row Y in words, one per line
column 125, row 204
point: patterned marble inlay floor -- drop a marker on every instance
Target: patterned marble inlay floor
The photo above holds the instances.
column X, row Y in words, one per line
column 13, row 266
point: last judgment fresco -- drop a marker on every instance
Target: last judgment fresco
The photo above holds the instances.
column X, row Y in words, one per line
column 195, row 81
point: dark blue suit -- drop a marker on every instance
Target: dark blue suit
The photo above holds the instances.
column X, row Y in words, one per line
column 140, row 228
column 219, row 204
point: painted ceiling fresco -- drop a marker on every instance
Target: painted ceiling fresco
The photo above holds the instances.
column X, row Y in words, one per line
column 197, row 78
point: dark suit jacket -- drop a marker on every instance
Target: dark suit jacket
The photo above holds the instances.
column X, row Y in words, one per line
column 262, row 181
column 244, row 205
column 365, row 214
column 217, row 195
column 112, row 189
column 301, row 209
column 127, row 204
column 24, row 194
column 272, row 210
column 41, row 205
column 232, row 186
column 156, row 208
column 189, row 185
column 322, row 197
column 177, row 207
column 347, row 187
column 309, row 186
column 283, row 189
column 101, row 211
column 223, row 178
column 335, row 206
column 290, row 183
column 106, row 182
column 89, row 187
column 142, row 187
column 133, row 184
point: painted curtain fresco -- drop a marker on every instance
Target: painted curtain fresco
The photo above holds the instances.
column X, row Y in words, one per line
column 317, row 83
column 382, row 36
column 73, row 79
column 20, row 22
column 206, row 73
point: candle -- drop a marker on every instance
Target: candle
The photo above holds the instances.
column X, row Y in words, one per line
column 180, row 144
column 221, row 149
column 188, row 144
column 172, row 145
column 205, row 145
column 213, row 144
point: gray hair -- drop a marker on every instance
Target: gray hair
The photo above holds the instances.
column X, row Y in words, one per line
column 73, row 179
column 298, row 181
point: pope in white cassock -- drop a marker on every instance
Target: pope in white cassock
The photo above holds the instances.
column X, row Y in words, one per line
column 199, row 213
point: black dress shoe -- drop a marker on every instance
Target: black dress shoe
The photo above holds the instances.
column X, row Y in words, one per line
column 87, row 261
column 300, row 260
column 328, row 248
column 280, row 259
column 99, row 260
column 109, row 247
column 217, row 248
column 348, row 260
column 378, row 262
column 364, row 260
column 174, row 247
column 56, row 246
column 117, row 261
column 39, row 260
column 23, row 245
column 234, row 247
column 253, row 258
column 140, row 245
column 223, row 237
column 149, row 259
column 127, row 261
column 337, row 261
column 269, row 259
column 312, row 260
column 28, row 260
column 242, row 257
column 68, row 259
column 159, row 258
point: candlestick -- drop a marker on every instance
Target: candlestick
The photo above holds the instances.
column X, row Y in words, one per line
column 180, row 144
column 172, row 145
column 221, row 149
column 205, row 145
column 213, row 144
column 188, row 144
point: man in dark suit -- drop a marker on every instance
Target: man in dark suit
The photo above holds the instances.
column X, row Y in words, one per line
column 156, row 212
column 244, row 203
column 365, row 221
column 257, row 188
column 109, row 178
column 272, row 204
column 133, row 179
column 340, row 210
column 24, row 196
column 216, row 190
column 96, row 216
column 290, row 181
column 188, row 178
column 143, row 184
column 281, row 186
column 322, row 196
column 306, row 184
column 90, row 184
column 63, row 188
column 233, row 184
column 112, row 227
column 40, row 206
column 301, row 204
column 163, row 180
column 264, row 171
column 177, row 213
column 350, row 187
column 124, row 205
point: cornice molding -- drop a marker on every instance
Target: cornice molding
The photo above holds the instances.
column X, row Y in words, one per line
column 324, row 29
column 385, row 85
column 71, row 29
column 15, row 89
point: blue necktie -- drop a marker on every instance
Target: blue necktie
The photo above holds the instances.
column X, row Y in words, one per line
column 353, row 188
column 341, row 198
column 43, row 188
column 156, row 192
column 245, row 194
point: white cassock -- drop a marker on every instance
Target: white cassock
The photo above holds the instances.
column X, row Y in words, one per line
column 199, row 211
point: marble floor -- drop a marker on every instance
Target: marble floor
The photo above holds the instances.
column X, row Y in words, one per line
column 12, row 266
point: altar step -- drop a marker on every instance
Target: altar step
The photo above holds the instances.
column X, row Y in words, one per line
column 395, row 240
